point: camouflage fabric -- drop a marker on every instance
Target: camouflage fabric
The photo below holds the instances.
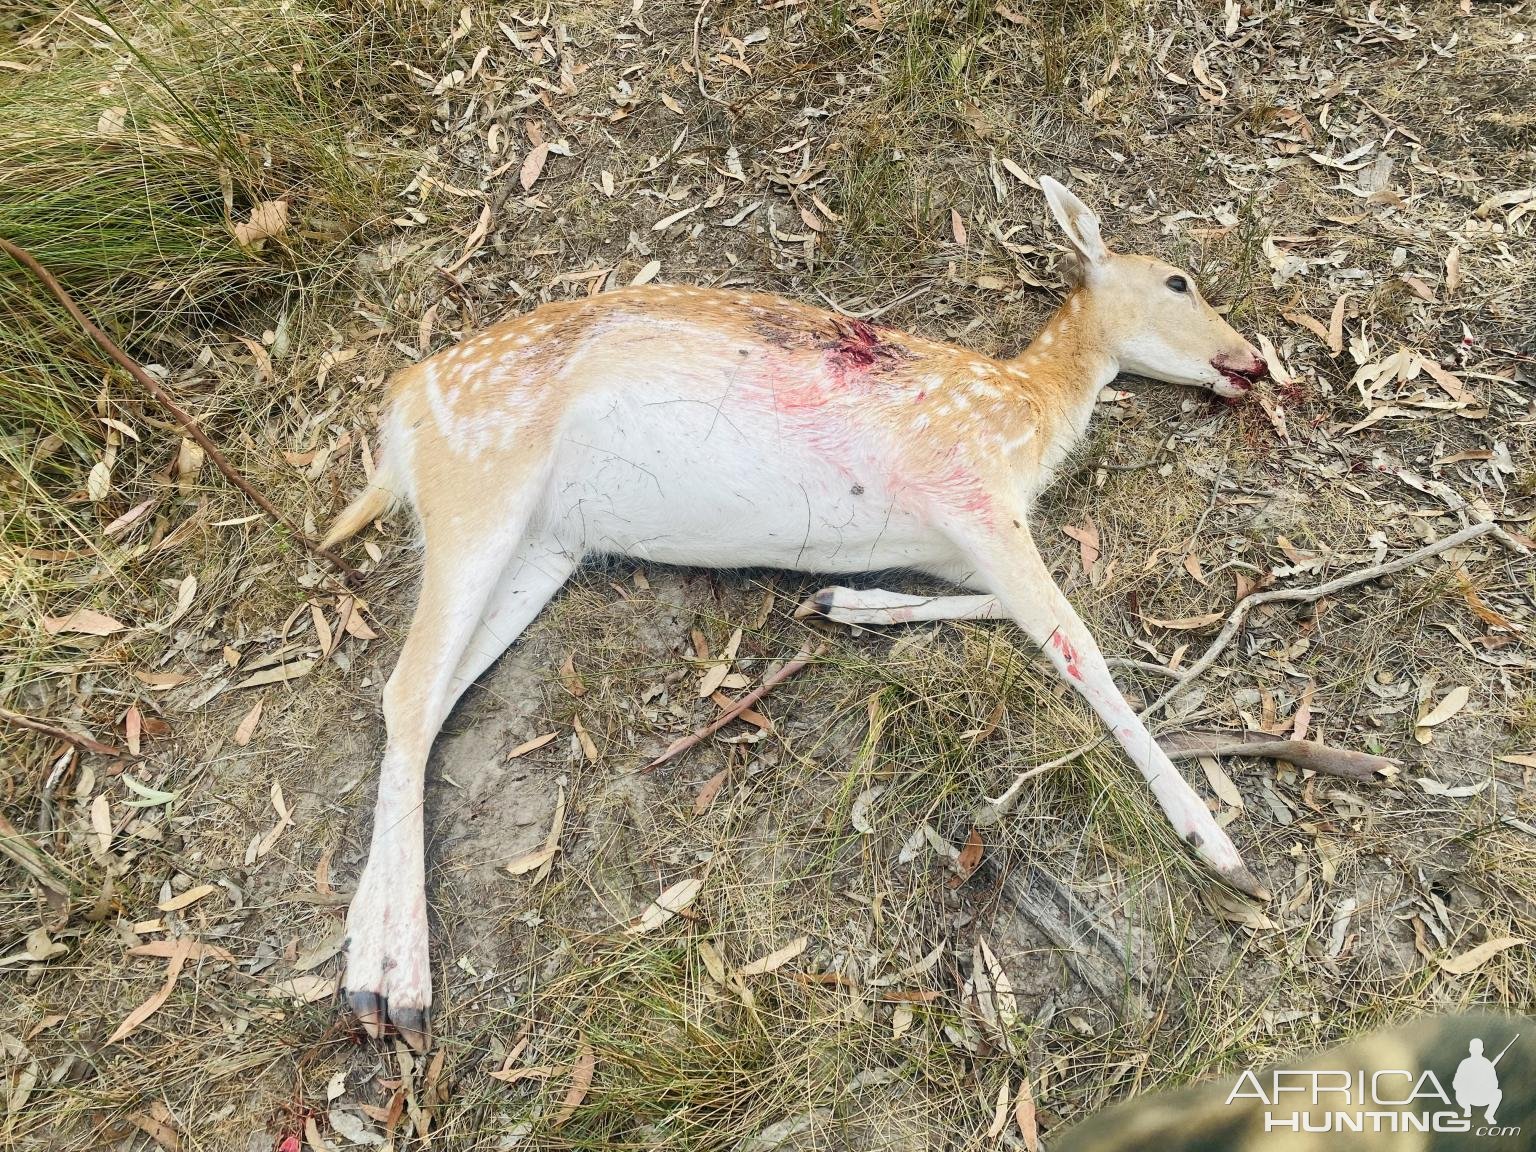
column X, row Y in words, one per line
column 1374, row 1094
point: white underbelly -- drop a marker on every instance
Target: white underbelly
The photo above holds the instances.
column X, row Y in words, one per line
column 716, row 483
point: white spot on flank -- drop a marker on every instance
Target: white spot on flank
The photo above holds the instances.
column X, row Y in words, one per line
column 1047, row 338
column 1019, row 441
column 986, row 391
column 919, row 422
column 442, row 414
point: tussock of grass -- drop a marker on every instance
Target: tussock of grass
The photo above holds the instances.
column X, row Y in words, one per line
column 146, row 135
column 135, row 141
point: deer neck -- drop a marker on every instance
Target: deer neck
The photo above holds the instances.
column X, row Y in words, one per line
column 1069, row 363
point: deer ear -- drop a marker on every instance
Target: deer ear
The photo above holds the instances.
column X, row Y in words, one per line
column 1077, row 221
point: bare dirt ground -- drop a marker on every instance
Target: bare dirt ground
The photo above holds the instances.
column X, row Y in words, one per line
column 858, row 964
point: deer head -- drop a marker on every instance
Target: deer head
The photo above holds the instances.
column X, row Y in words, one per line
column 1152, row 315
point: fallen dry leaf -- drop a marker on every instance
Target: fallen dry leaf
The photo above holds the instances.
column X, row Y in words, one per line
column 708, row 791
column 999, row 1112
column 1475, row 958
column 1220, row 782
column 969, row 859
column 278, row 674
column 588, row 748
column 306, row 988
column 667, row 905
column 1024, row 1117
column 1454, row 701
column 157, row 1128
column 1087, row 538
column 528, row 861
column 529, row 745
column 248, row 723
column 1186, row 623
column 101, row 823
column 775, row 959
column 581, row 1081
column 570, row 677
column 1336, row 325
column 178, row 953
column 533, row 166
column 82, row 622
column 189, row 897
column 98, row 484
column 1452, row 791
column 267, row 220
column 858, row 814
column 713, row 678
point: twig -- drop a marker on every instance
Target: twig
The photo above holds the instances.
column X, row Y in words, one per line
column 1315, row 592
column 994, row 808
column 698, row 64
column 878, row 310
column 1135, row 467
column 683, row 743
column 1143, row 666
column 54, row 730
column 352, row 576
column 1308, row 754
column 20, row 850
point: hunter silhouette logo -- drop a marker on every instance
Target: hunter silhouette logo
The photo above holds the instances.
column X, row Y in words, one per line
column 1359, row 1099
column 1477, row 1080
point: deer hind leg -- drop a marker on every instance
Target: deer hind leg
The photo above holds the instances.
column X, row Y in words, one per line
column 1025, row 587
column 538, row 569
column 475, row 601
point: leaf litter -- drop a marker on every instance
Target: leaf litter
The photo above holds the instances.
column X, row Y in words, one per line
column 1397, row 421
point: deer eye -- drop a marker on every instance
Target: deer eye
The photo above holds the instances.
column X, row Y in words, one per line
column 1178, row 283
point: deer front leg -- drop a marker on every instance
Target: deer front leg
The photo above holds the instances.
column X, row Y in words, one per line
column 877, row 608
column 1014, row 569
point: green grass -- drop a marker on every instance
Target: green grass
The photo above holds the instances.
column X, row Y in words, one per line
column 143, row 137
column 135, row 141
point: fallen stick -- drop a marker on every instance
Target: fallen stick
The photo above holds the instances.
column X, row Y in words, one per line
column 350, row 575
column 86, row 742
column 683, row 743
column 1082, row 938
column 1309, row 754
column 1315, row 592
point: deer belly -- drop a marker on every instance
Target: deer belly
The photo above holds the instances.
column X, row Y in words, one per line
column 721, row 484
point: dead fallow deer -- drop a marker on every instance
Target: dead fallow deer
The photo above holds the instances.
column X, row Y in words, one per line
column 730, row 429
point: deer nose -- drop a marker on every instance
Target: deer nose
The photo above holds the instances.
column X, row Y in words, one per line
column 1251, row 368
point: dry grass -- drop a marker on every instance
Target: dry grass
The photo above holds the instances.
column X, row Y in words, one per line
column 858, row 141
